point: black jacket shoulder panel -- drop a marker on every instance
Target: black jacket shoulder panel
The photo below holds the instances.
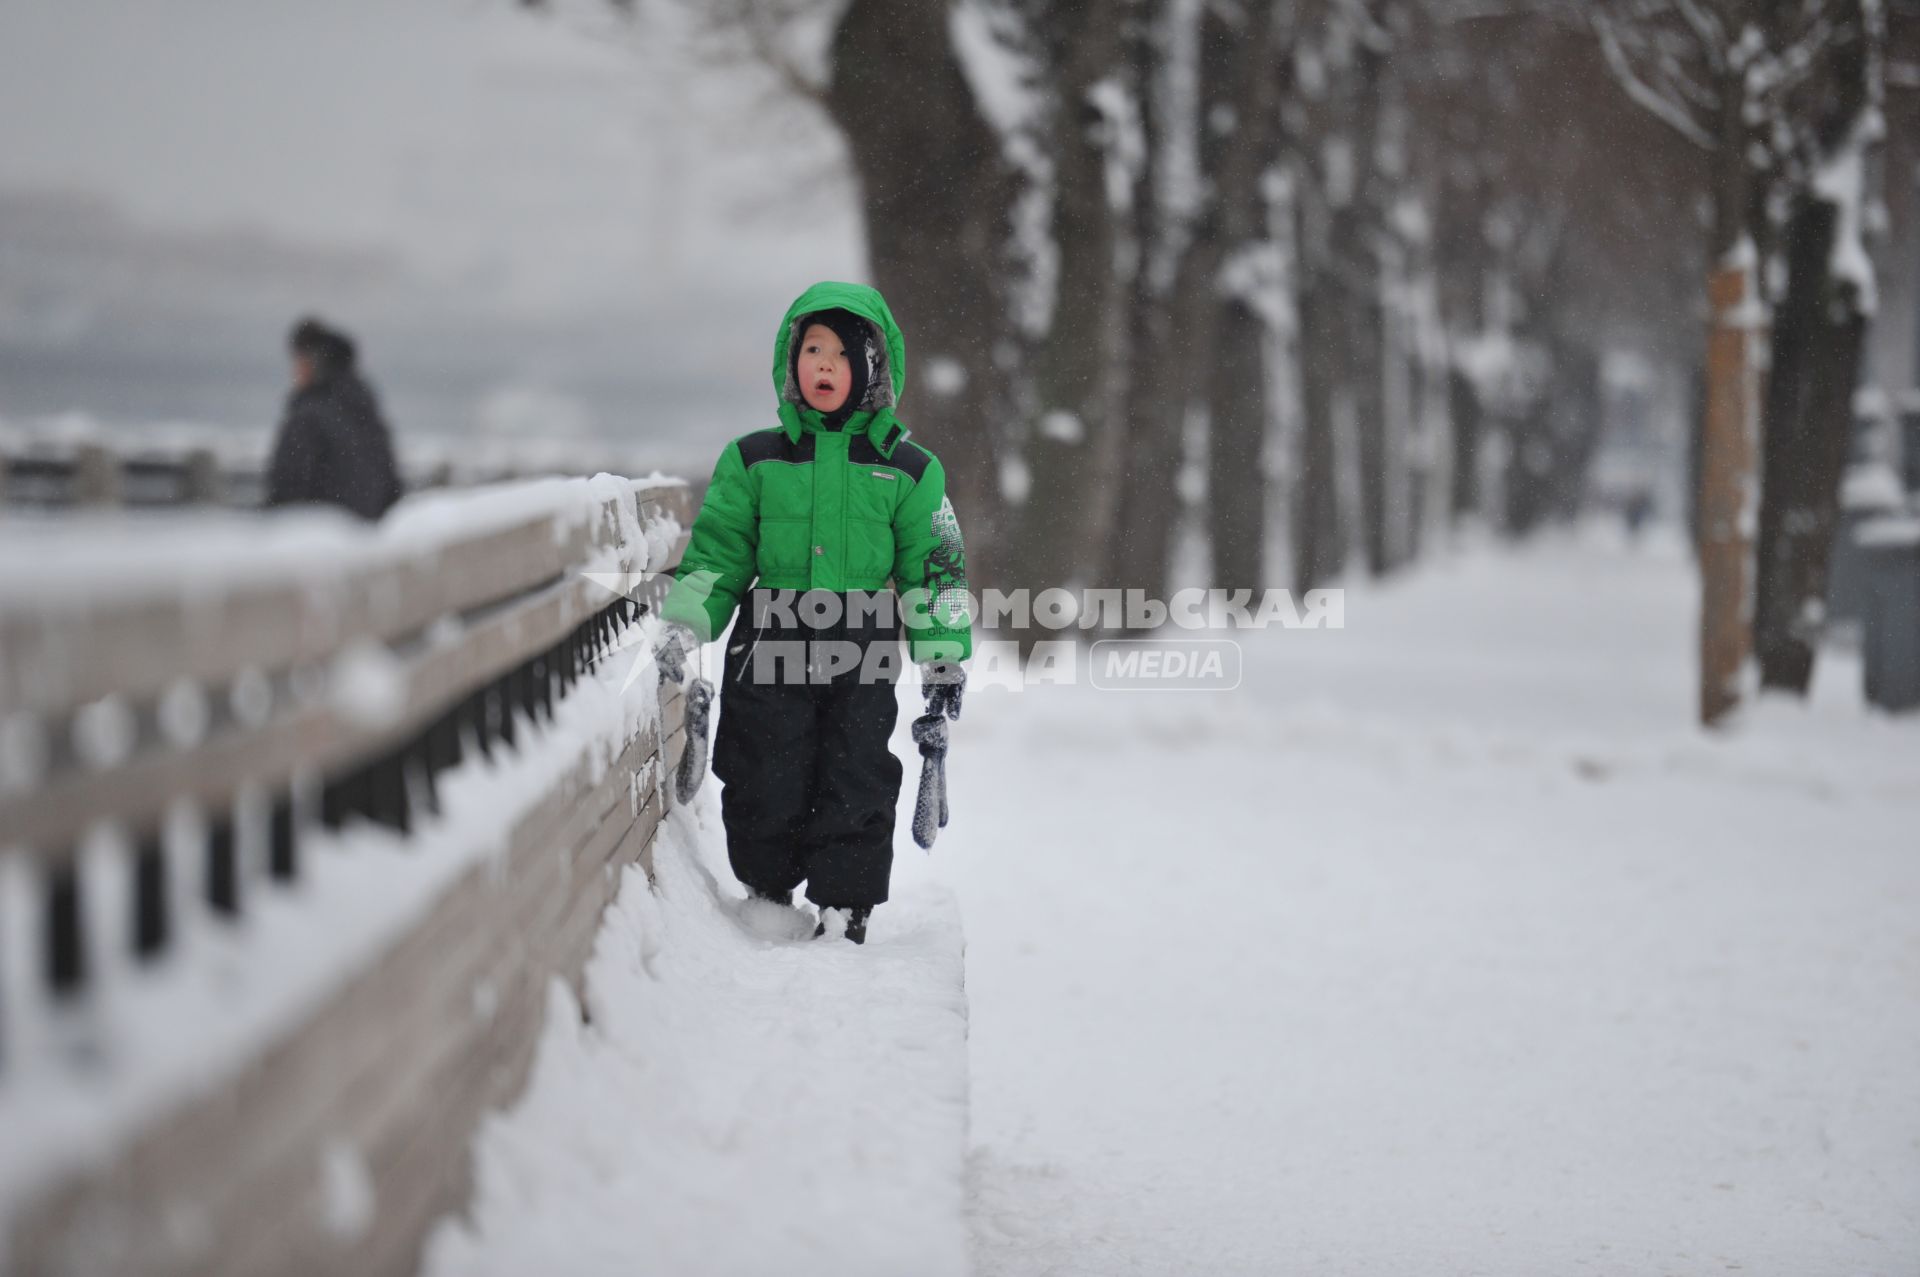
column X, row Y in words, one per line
column 908, row 457
column 773, row 445
column 912, row 458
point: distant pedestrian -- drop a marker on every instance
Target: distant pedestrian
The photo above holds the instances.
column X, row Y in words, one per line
column 1637, row 509
column 333, row 446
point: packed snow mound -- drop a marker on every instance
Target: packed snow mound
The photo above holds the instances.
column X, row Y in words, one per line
column 773, row 922
column 738, row 1098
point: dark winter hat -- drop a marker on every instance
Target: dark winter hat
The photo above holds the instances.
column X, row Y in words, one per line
column 326, row 346
column 856, row 335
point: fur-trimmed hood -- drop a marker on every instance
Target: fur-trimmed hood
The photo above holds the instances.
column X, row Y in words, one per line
column 887, row 359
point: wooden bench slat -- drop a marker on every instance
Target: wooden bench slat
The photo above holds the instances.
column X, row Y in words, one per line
column 55, row 657
column 52, row 818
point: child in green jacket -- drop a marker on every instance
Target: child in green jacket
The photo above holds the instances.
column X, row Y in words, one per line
column 814, row 523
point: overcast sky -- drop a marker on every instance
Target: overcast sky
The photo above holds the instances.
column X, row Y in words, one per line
column 559, row 154
column 550, row 169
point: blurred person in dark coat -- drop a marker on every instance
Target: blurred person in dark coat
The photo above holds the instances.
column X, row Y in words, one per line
column 333, row 446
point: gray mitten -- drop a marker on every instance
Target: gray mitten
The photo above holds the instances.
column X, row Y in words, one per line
column 693, row 763
column 930, row 806
column 943, row 683
column 677, row 643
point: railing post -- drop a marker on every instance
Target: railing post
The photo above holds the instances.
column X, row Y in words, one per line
column 476, row 715
column 97, row 479
column 21, row 995
column 66, row 952
column 507, row 703
column 223, row 867
column 204, row 483
column 152, row 919
column 387, row 796
column 283, row 863
column 543, row 686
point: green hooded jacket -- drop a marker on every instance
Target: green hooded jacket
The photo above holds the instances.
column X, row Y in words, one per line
column 804, row 506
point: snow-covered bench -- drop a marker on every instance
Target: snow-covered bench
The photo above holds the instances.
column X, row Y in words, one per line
column 298, row 821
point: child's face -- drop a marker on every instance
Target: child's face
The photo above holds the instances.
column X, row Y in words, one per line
column 826, row 377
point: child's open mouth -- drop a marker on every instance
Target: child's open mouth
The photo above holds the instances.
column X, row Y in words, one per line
column 823, row 385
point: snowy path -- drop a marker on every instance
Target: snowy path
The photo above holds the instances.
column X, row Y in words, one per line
column 742, row 1104
column 1445, row 946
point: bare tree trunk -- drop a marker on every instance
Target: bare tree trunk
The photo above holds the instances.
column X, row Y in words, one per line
column 1369, row 355
column 1071, row 449
column 1578, row 411
column 1816, row 361
column 935, row 194
column 1140, row 552
column 1555, row 441
column 1153, row 412
column 1319, row 542
column 1730, row 429
column 1463, row 407
column 1696, row 447
column 1236, row 439
column 1237, row 389
column 1729, row 437
column 1529, row 475
column 1342, row 439
column 1820, row 334
column 1358, row 230
column 1183, row 353
column 1404, row 492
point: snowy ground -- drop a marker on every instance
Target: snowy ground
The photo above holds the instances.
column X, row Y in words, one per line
column 1445, row 944
column 745, row 1101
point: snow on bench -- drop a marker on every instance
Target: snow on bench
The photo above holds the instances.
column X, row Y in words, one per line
column 263, row 964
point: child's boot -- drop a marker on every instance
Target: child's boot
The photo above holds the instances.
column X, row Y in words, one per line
column 770, row 915
column 850, row 922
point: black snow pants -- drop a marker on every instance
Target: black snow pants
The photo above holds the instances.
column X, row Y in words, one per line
column 810, row 785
